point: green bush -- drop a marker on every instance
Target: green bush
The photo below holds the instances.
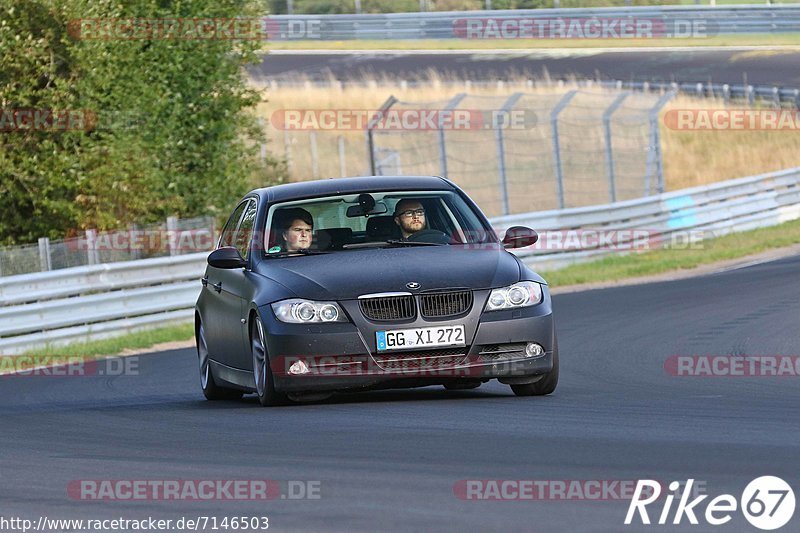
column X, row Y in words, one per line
column 173, row 133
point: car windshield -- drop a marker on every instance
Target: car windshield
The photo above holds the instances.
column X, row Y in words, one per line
column 372, row 219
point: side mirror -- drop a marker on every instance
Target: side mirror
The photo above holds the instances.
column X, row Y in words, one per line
column 227, row 258
column 519, row 237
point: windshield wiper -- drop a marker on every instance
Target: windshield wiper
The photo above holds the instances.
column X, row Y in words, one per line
column 390, row 242
column 301, row 251
column 398, row 242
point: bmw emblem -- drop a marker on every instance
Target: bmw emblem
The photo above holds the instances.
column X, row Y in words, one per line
column 412, row 285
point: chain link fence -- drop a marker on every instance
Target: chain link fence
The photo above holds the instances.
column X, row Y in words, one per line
column 172, row 237
column 528, row 152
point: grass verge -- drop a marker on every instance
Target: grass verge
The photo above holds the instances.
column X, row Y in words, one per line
column 113, row 346
column 732, row 246
column 788, row 39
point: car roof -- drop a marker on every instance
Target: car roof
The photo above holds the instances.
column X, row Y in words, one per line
column 309, row 189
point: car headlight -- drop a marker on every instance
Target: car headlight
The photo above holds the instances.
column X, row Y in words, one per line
column 297, row 311
column 521, row 294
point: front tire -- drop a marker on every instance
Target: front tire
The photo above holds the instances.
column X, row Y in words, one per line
column 546, row 385
column 210, row 389
column 262, row 373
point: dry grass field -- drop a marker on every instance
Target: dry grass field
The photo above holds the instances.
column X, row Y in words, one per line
column 690, row 157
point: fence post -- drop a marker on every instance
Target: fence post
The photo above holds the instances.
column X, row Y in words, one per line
column 370, row 125
column 136, row 250
column 557, row 146
column 172, row 235
column 442, row 142
column 342, row 157
column 612, row 187
column 654, row 150
column 287, row 148
column 263, row 152
column 312, row 140
column 91, row 247
column 45, row 261
column 501, row 150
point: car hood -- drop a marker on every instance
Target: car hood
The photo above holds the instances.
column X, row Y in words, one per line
column 348, row 274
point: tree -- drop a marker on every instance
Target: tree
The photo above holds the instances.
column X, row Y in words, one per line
column 168, row 126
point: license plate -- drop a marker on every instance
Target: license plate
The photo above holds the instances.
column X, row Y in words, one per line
column 402, row 339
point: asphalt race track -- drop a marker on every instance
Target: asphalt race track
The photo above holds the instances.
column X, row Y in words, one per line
column 757, row 67
column 392, row 458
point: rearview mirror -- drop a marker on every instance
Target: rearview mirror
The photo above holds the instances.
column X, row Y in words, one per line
column 227, row 258
column 360, row 211
column 519, row 237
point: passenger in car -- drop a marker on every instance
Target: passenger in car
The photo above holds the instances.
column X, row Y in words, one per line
column 297, row 226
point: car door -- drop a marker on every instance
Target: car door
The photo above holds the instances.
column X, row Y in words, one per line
column 239, row 286
column 222, row 319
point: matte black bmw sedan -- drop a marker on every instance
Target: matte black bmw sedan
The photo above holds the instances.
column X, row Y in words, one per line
column 364, row 283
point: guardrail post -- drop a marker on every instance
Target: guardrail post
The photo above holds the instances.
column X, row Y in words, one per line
column 442, row 142
column 501, row 151
column 172, row 235
column 612, row 188
column 45, row 261
column 654, row 150
column 342, row 157
column 370, row 136
column 557, row 146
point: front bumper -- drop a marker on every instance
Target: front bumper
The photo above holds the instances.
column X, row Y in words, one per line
column 343, row 356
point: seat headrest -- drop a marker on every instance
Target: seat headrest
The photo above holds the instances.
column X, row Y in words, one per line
column 382, row 228
column 333, row 238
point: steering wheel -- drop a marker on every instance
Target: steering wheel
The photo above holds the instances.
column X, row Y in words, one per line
column 429, row 235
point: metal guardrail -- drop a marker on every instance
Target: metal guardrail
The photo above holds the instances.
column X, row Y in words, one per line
column 709, row 211
column 728, row 20
column 88, row 303
column 94, row 302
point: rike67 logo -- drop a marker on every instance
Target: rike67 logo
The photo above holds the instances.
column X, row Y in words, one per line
column 767, row 502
